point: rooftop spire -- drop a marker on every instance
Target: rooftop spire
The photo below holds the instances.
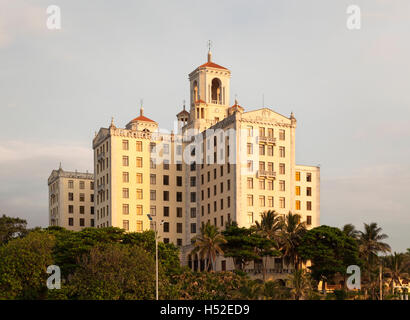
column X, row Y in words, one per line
column 209, row 51
column 142, row 108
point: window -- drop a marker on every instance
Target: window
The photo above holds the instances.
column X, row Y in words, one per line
column 92, row 210
column 139, row 146
column 139, row 178
column 297, row 204
column 179, row 166
column 249, row 148
column 270, row 201
column 152, row 147
column 261, row 131
column 70, row 209
column 309, row 205
column 82, row 197
column 282, row 203
column 179, row 242
column 222, row 204
column 261, row 184
column 166, row 240
column 297, row 176
column 70, row 196
column 309, row 177
column 179, row 212
column 229, row 202
column 193, row 181
column 193, row 212
column 298, row 190
column 249, row 165
column 153, row 210
column 166, row 164
column 250, row 131
column 193, row 227
column 125, row 177
column 308, row 220
column 222, row 186
column 261, row 166
column 282, row 152
column 152, row 164
column 139, row 226
column 250, row 200
column 92, row 223
column 153, row 179
column 70, row 221
column 91, row 185
column 250, row 217
column 166, row 195
column 223, row 265
column 139, row 162
column 125, row 162
column 270, row 132
column 70, row 184
column 282, row 185
column 82, row 209
column 179, row 227
column 270, row 185
column 179, row 181
column 166, row 227
column 153, row 195
column 165, row 180
column 125, row 193
column 82, row 222
column 126, row 225
column 139, row 210
column 166, row 211
column 281, row 134
column 270, row 151
column 139, row 194
column 125, row 209
column 261, row 150
column 261, row 201
column 309, row 191
column 229, row 185
column 281, row 168
column 124, row 144
column 193, row 196
column 91, row 197
column 82, row 185
column 179, row 196
column 270, row 167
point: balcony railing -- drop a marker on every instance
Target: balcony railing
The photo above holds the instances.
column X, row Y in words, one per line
column 268, row 140
column 216, row 101
column 266, row 174
column 101, row 187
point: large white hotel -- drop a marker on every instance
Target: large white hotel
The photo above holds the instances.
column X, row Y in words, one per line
column 220, row 164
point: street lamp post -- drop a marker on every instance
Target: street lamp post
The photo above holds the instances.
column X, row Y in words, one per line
column 156, row 255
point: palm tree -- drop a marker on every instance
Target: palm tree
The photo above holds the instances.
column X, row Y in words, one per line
column 370, row 245
column 290, row 236
column 301, row 284
column 396, row 267
column 208, row 244
column 350, row 231
column 269, row 228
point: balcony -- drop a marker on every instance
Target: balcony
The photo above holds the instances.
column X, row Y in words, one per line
column 100, row 156
column 100, row 187
column 216, row 101
column 267, row 140
column 266, row 174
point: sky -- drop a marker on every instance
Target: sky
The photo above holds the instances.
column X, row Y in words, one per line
column 349, row 89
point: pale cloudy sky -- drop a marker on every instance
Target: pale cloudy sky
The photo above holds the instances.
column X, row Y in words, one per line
column 349, row 90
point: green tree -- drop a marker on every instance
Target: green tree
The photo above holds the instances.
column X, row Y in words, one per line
column 290, row 237
column 208, row 244
column 23, row 266
column 396, row 268
column 330, row 252
column 350, row 231
column 115, row 272
column 301, row 284
column 11, row 228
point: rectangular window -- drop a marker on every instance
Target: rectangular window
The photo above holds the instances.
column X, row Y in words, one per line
column 125, row 193
column 179, row 181
column 70, row 184
column 125, row 177
column 261, row 150
column 261, row 131
column 126, row 225
column 179, row 227
column 70, row 209
column 139, row 178
column 309, row 205
column 82, row 197
column 309, row 177
column 193, row 181
column 297, row 204
column 270, row 185
column 309, row 191
column 270, row 201
column 82, row 209
column 166, row 164
column 70, row 221
column 165, row 180
column 297, row 176
column 281, row 168
column 125, row 161
column 124, row 144
column 179, row 212
column 139, row 210
column 179, row 242
column 139, row 146
column 139, row 226
column 261, row 184
column 82, row 185
column 281, row 134
column 270, row 151
column 166, row 211
column 249, row 148
column 298, row 190
column 250, row 131
column 282, row 203
column 193, row 227
column 92, row 223
column 193, row 196
column 270, row 132
column 282, row 185
column 261, row 201
column 166, row 195
column 193, row 212
column 309, row 220
column 166, row 226
column 153, row 210
column 153, row 179
column 152, row 164
column 282, row 152
column 139, row 194
column 179, row 196
column 250, row 200
column 125, row 209
column 139, row 162
column 153, row 195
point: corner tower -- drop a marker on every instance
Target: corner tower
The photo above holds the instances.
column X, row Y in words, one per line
column 209, row 91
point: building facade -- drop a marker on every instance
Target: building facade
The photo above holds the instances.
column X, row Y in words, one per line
column 71, row 199
column 219, row 164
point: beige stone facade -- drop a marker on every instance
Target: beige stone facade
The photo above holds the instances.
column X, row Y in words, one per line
column 219, row 164
column 71, row 199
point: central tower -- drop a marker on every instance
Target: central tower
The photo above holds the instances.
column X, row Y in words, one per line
column 209, row 91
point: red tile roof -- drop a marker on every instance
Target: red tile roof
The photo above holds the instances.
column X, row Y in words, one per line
column 212, row 65
column 142, row 118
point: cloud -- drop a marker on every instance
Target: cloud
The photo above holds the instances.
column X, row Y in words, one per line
column 24, row 170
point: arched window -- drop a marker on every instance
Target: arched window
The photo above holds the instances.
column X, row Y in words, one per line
column 195, row 92
column 216, row 91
